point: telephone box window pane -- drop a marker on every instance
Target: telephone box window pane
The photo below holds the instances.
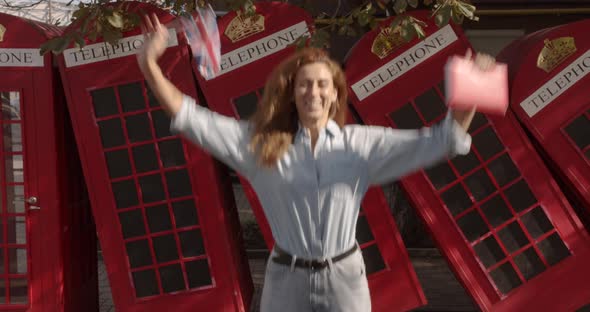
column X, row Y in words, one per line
column 132, row 223
column 440, row 175
column 472, row 225
column 536, row 222
column 172, row 279
column 406, row 118
column 363, row 231
column 16, row 230
column 456, row 199
column 496, row 211
column 185, row 213
column 465, row 163
column 138, row 253
column 165, row 248
column 513, row 237
column 198, row 273
column 105, row 102
column 587, row 153
column 17, row 260
column 15, row 198
column 480, row 185
column 520, row 196
column 553, row 249
column 2, row 268
column 125, row 193
column 503, row 170
column 145, row 283
column 430, row 105
column 11, row 105
column 179, row 183
column 153, row 102
column 489, row 252
column 152, row 189
column 579, row 131
column 145, row 158
column 191, row 243
column 246, row 105
column 111, row 133
column 14, row 168
column 138, row 128
column 373, row 260
column 487, row 143
column 131, row 97
column 161, row 123
column 158, row 218
column 19, row 291
column 171, row 153
column 529, row 263
column 118, row 163
column 2, row 289
column 505, row 278
column 12, row 137
column 478, row 121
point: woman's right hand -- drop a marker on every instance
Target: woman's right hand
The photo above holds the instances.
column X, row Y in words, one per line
column 155, row 40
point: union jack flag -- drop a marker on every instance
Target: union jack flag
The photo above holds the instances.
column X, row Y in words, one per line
column 203, row 37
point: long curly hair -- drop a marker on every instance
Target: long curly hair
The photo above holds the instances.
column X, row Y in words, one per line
column 275, row 121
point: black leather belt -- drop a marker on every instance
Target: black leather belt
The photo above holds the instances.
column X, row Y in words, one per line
column 285, row 258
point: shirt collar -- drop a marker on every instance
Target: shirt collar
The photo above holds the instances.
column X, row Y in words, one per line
column 332, row 128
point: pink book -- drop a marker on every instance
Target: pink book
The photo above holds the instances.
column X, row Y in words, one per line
column 467, row 86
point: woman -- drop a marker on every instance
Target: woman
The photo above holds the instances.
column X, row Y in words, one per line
column 309, row 170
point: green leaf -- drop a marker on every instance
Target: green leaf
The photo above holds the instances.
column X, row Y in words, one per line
column 419, row 30
column 442, row 16
column 351, row 32
column 400, row 6
column 413, row 3
column 342, row 31
column 363, row 19
column 116, row 20
column 396, row 21
column 383, row 4
column 374, row 23
column 408, row 32
column 57, row 45
column 427, row 2
column 112, row 36
column 457, row 17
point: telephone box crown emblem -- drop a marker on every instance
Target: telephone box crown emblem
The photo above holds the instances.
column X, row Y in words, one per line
column 2, row 31
column 386, row 42
column 554, row 52
column 244, row 26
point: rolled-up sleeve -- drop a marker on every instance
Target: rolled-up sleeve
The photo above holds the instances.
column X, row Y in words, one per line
column 223, row 137
column 394, row 153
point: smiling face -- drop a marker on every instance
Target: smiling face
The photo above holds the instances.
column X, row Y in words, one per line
column 314, row 93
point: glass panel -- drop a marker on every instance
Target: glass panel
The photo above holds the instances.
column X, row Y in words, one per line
column 151, row 98
column 2, row 270
column 363, row 231
column 17, row 260
column 19, row 291
column 505, row 278
column 118, row 163
column 132, row 223
column 2, row 291
column 520, row 196
column 131, row 97
column 138, row 253
column 480, row 185
column 246, row 105
column 472, row 225
column 191, row 243
column 478, row 121
column 487, row 143
column 489, row 251
column 125, row 193
column 145, row 283
column 12, row 137
column 165, row 248
column 105, row 102
column 579, row 131
column 15, row 198
column 111, row 133
column 172, row 279
column 430, row 105
column 185, row 213
column 536, row 222
column 587, row 154
column 152, row 189
column 198, row 273
column 14, row 168
column 161, row 123
column 373, row 260
column 496, row 211
column 553, row 249
column 138, row 128
column 513, row 237
column 171, row 153
column 145, row 158
column 10, row 105
column 17, row 230
column 440, row 175
column 503, row 170
column 179, row 183
column 456, row 199
column 158, row 218
column 406, row 118
column 529, row 263
column 465, row 163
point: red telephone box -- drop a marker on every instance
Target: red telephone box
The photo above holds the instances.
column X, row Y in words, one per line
column 45, row 219
column 549, row 96
column 251, row 48
column 496, row 214
column 161, row 206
